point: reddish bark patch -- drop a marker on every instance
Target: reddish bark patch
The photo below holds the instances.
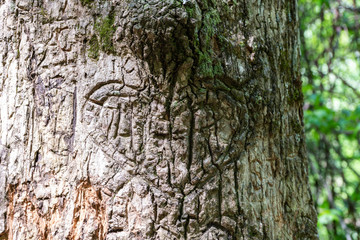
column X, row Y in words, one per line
column 89, row 213
column 20, row 201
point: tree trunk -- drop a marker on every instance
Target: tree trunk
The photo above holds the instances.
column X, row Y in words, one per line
column 152, row 119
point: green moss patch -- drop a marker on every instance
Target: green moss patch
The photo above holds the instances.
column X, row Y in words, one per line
column 102, row 40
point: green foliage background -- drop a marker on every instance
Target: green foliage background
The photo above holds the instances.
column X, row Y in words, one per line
column 330, row 68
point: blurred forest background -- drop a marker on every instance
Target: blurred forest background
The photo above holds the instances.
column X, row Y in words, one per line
column 330, row 43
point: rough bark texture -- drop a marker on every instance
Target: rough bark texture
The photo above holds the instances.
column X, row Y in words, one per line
column 152, row 119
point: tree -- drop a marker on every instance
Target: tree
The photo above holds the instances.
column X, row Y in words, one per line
column 152, row 120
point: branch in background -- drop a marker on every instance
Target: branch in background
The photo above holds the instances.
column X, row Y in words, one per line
column 352, row 9
column 347, row 84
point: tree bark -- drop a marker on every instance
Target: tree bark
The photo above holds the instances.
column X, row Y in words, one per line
column 152, row 119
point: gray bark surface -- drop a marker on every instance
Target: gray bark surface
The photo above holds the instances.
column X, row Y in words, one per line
column 152, row 119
